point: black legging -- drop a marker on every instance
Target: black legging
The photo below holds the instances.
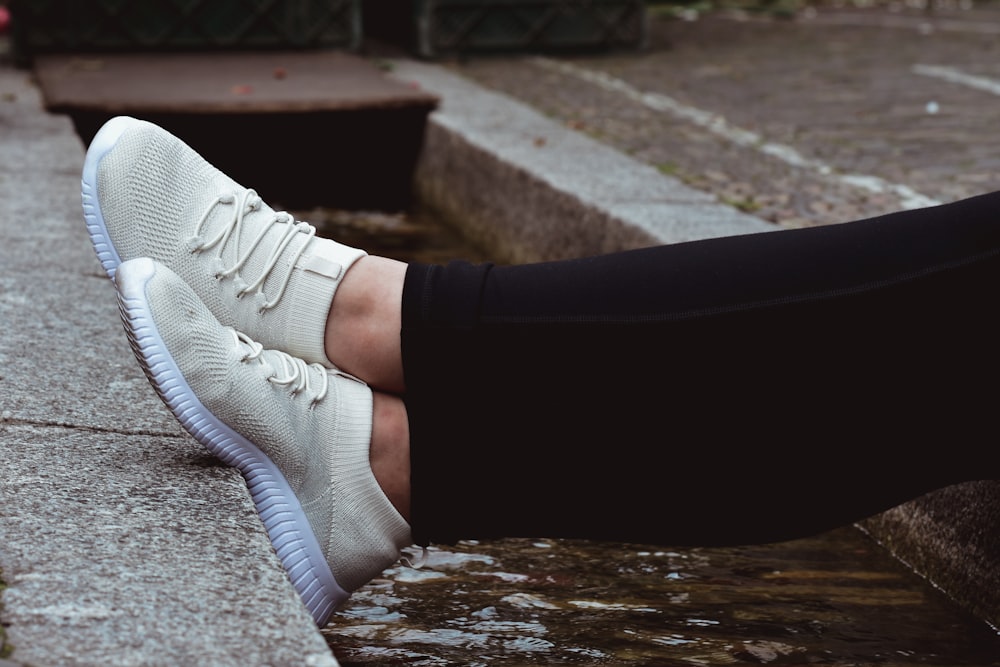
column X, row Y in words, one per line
column 734, row 390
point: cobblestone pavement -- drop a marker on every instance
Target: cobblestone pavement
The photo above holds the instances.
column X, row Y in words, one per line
column 835, row 115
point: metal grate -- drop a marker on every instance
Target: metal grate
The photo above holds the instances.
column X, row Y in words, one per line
column 41, row 26
column 459, row 26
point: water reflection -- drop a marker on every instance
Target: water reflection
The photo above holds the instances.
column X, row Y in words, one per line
column 836, row 599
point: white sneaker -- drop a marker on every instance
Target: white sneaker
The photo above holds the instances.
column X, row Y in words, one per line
column 147, row 194
column 299, row 433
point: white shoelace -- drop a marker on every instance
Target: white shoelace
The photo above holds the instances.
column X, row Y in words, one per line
column 245, row 204
column 291, row 371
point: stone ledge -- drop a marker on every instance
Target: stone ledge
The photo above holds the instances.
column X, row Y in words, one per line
column 121, row 541
column 952, row 538
column 531, row 189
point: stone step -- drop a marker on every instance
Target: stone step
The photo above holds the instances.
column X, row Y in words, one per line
column 302, row 127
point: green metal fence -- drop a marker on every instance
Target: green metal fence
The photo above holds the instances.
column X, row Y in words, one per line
column 41, row 26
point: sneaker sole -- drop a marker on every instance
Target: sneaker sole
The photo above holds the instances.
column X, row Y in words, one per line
column 278, row 508
column 103, row 141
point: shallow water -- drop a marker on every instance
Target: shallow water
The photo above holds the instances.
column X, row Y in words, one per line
column 835, row 599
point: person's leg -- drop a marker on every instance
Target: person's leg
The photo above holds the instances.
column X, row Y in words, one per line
column 716, row 359
column 390, row 450
column 735, row 390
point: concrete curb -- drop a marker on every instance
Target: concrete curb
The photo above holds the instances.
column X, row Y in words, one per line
column 950, row 537
column 121, row 541
column 532, row 189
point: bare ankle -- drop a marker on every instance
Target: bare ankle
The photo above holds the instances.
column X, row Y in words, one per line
column 362, row 331
column 390, row 451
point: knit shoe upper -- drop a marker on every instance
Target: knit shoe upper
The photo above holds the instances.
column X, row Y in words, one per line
column 298, row 432
column 147, row 194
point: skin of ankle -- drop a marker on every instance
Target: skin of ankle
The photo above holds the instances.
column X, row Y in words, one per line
column 389, row 453
column 362, row 329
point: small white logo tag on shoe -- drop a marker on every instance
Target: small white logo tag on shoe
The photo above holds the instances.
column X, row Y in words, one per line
column 321, row 265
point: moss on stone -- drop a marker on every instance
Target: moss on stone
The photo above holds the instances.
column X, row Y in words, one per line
column 5, row 648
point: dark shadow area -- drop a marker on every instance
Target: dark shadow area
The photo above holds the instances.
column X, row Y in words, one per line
column 354, row 159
